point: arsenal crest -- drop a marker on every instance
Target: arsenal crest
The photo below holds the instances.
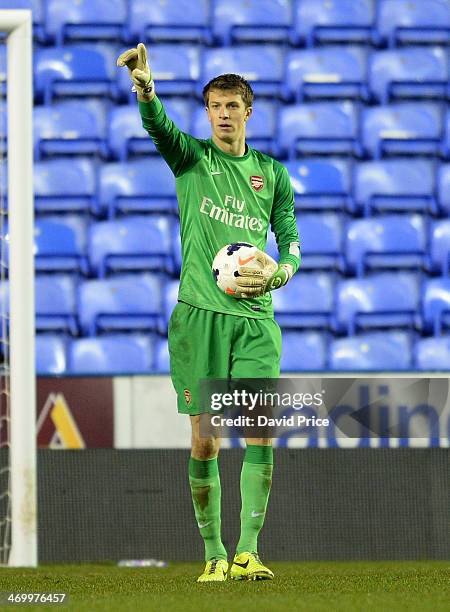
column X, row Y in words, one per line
column 257, row 182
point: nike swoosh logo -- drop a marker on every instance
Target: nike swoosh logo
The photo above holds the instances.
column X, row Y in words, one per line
column 201, row 525
column 242, row 262
column 216, row 172
column 255, row 514
column 243, row 565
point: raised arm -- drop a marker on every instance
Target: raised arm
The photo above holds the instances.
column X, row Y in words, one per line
column 180, row 150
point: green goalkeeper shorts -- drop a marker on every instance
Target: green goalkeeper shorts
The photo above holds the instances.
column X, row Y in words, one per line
column 207, row 344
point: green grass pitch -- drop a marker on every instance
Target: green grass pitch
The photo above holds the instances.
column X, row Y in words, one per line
column 321, row 586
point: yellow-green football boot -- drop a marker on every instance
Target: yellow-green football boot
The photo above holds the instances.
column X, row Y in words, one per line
column 215, row 571
column 248, row 566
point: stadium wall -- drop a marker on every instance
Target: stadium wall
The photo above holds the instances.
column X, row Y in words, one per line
column 326, row 504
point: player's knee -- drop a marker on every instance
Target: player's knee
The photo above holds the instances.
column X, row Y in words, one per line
column 205, row 448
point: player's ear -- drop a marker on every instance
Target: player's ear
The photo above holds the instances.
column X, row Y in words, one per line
column 208, row 113
column 248, row 112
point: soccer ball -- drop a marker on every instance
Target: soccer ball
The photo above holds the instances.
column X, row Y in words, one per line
column 226, row 263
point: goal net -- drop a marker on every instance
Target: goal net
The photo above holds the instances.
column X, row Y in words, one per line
column 18, row 533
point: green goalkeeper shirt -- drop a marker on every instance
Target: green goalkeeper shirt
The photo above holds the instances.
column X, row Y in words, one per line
column 223, row 199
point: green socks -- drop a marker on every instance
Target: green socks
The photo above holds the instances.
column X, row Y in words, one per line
column 205, row 487
column 256, row 480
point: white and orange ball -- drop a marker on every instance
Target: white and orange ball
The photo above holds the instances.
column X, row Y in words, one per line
column 227, row 262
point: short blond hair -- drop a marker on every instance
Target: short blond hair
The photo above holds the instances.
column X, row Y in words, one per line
column 230, row 82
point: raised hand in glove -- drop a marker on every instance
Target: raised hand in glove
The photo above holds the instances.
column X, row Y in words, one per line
column 136, row 62
column 254, row 282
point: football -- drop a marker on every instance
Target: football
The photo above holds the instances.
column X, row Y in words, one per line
column 227, row 262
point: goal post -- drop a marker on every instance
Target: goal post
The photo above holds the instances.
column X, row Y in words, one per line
column 22, row 377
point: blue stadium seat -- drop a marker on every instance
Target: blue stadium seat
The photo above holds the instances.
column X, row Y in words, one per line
column 375, row 351
column 271, row 245
column 111, row 354
column 388, row 299
column 67, row 128
column 60, row 244
column 404, row 185
column 127, row 137
column 175, row 69
column 37, row 8
column 4, row 296
column 260, row 129
column 436, row 305
column 306, row 301
column 391, row 241
column 74, row 71
column 251, row 62
column 170, row 298
column 50, row 354
column 129, row 244
column 201, row 127
column 254, row 20
column 406, row 22
column 443, row 188
column 3, row 70
column 4, row 130
column 65, row 185
column 97, row 107
column 322, row 21
column 321, row 241
column 162, row 360
column 445, row 149
column 303, row 351
column 432, row 354
column 4, row 184
column 326, row 72
column 320, row 184
column 414, row 72
column 440, row 247
column 92, row 20
column 319, row 128
column 137, row 186
column 55, row 303
column 399, row 129
column 181, row 20
column 124, row 302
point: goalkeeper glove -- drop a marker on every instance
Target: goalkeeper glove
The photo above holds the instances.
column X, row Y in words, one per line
column 256, row 282
column 136, row 62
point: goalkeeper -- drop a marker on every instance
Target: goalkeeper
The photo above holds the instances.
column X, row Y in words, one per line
column 227, row 192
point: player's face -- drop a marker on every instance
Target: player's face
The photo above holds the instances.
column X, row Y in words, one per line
column 228, row 115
